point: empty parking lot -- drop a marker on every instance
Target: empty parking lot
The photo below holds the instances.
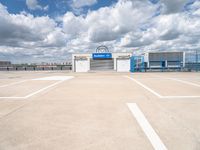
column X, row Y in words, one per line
column 95, row 111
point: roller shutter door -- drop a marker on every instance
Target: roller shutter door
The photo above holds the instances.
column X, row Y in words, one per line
column 102, row 64
column 123, row 65
column 81, row 65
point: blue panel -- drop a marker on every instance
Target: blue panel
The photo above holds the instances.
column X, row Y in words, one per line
column 137, row 64
column 101, row 55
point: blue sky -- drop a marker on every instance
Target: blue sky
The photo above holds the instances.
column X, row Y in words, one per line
column 55, row 7
column 51, row 30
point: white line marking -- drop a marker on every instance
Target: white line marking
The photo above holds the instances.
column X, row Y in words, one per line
column 146, row 127
column 168, row 97
column 6, row 85
column 36, row 92
column 158, row 95
column 54, row 78
column 186, row 82
column 179, row 80
column 14, row 97
column 144, row 86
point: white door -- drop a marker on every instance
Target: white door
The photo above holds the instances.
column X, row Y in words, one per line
column 81, row 65
column 123, row 65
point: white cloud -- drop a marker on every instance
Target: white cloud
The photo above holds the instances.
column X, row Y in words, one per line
column 173, row 6
column 178, row 31
column 46, row 8
column 73, row 25
column 78, row 5
column 23, row 29
column 109, row 23
column 55, row 38
column 33, row 5
column 139, row 39
column 25, row 34
column 82, row 3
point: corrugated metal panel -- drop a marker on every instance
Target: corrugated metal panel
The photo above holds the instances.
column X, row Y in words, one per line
column 102, row 64
column 155, row 64
column 170, row 56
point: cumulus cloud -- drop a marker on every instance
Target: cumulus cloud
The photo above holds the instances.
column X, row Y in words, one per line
column 173, row 6
column 24, row 32
column 178, row 31
column 139, row 38
column 82, row 3
column 33, row 5
column 24, row 29
column 109, row 23
column 79, row 5
column 125, row 26
column 73, row 25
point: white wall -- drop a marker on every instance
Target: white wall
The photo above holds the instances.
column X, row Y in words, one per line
column 80, row 55
column 146, row 58
column 183, row 59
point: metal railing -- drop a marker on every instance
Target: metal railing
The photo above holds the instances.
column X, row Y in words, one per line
column 34, row 68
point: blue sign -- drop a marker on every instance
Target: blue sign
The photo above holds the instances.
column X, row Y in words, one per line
column 101, row 55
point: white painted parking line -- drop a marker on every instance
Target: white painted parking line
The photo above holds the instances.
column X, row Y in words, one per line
column 14, row 83
column 34, row 93
column 159, row 95
column 12, row 97
column 56, row 78
column 178, row 97
column 179, row 80
column 146, row 127
column 40, row 90
column 186, row 82
column 144, row 86
column 45, row 88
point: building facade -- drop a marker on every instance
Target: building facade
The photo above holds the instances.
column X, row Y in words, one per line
column 119, row 62
column 5, row 63
column 103, row 60
column 164, row 59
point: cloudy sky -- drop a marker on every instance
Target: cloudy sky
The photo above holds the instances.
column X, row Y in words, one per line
column 50, row 30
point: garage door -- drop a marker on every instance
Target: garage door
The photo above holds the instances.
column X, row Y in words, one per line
column 102, row 64
column 123, row 65
column 81, row 65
